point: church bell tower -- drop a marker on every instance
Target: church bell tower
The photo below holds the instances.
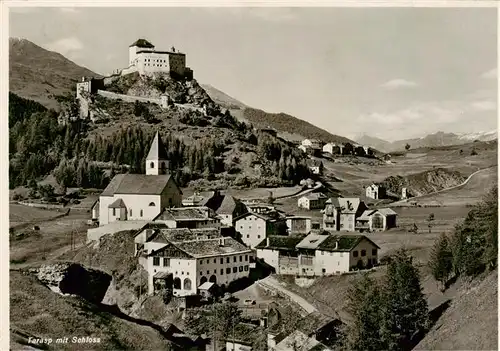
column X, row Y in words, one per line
column 156, row 162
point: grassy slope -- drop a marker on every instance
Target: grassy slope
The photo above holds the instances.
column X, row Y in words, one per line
column 39, row 74
column 470, row 323
column 288, row 124
column 38, row 312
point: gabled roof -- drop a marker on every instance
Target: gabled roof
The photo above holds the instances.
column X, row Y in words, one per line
column 314, row 321
column 118, row 203
column 383, row 211
column 387, row 212
column 142, row 43
column 228, row 205
column 347, row 204
column 183, row 213
column 139, row 184
column 280, row 242
column 343, row 243
column 315, row 196
column 312, row 241
column 212, row 247
column 183, row 234
column 272, row 216
column 157, row 150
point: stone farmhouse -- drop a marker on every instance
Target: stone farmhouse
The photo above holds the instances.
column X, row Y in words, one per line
column 375, row 191
column 318, row 254
column 139, row 196
column 332, row 148
column 340, row 213
column 376, row 220
column 312, row 201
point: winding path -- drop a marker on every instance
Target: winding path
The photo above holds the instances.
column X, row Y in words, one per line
column 271, row 283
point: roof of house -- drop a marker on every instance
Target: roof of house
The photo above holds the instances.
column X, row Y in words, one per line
column 139, row 184
column 162, row 52
column 337, row 243
column 312, row 241
column 195, row 198
column 315, row 196
column 162, row 275
column 206, row 286
column 183, row 213
column 383, row 211
column 348, row 204
column 280, row 242
column 183, row 234
column 157, row 151
column 387, row 212
column 298, row 217
column 242, row 333
column 211, row 247
column 142, row 43
column 270, row 216
column 118, row 203
column 228, row 205
column 300, row 339
column 313, row 322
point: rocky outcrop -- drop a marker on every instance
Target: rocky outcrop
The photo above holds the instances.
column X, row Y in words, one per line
column 73, row 278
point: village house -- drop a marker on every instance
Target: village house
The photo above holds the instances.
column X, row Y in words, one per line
column 368, row 151
column 332, row 149
column 376, row 220
column 255, row 226
column 298, row 340
column 226, row 207
column 375, row 191
column 318, row 254
column 190, row 264
column 340, row 213
column 131, row 197
column 188, row 217
column 298, row 225
column 348, row 149
column 359, row 150
column 312, row 201
column 312, row 143
column 315, row 166
column 194, row 200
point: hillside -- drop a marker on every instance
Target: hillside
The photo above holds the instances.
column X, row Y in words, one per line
column 36, row 311
column 222, row 98
column 39, row 74
column 284, row 123
column 425, row 182
column 432, row 140
column 470, row 323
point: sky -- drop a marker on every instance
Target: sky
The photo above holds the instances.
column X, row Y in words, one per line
column 392, row 73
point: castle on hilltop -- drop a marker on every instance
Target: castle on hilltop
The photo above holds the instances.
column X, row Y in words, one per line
column 144, row 58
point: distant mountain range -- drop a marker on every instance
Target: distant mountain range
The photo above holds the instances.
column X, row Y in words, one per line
column 431, row 140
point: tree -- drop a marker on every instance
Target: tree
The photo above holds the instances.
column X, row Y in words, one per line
column 364, row 304
column 405, row 311
column 430, row 220
column 407, row 147
column 441, row 260
column 413, row 229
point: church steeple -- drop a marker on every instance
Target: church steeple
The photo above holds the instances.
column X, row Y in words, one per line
column 156, row 161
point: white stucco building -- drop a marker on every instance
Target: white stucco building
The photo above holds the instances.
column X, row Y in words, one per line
column 375, row 191
column 254, row 226
column 138, row 197
column 192, row 263
column 318, row 254
column 376, row 220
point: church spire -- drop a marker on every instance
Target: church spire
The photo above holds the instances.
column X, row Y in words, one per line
column 156, row 161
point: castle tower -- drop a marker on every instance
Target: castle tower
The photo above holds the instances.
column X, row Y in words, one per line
column 156, row 162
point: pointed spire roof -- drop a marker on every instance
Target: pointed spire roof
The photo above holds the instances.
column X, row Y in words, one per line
column 157, row 150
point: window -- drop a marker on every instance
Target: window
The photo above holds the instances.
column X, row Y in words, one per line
column 234, row 259
column 227, row 259
column 182, row 273
column 241, row 258
column 322, row 253
column 215, row 260
column 152, row 204
column 235, row 269
column 166, row 262
column 374, row 252
column 187, row 273
column 215, row 271
column 248, row 236
column 156, row 261
column 131, row 212
column 258, row 236
column 208, row 272
column 355, row 254
column 222, row 272
column 240, row 268
column 141, row 213
column 246, row 268
column 228, row 270
column 187, row 284
column 363, row 253
column 246, row 257
column 221, row 260
column 114, row 211
column 323, row 270
column 152, row 165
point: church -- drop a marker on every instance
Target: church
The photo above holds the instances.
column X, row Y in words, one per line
column 139, row 197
